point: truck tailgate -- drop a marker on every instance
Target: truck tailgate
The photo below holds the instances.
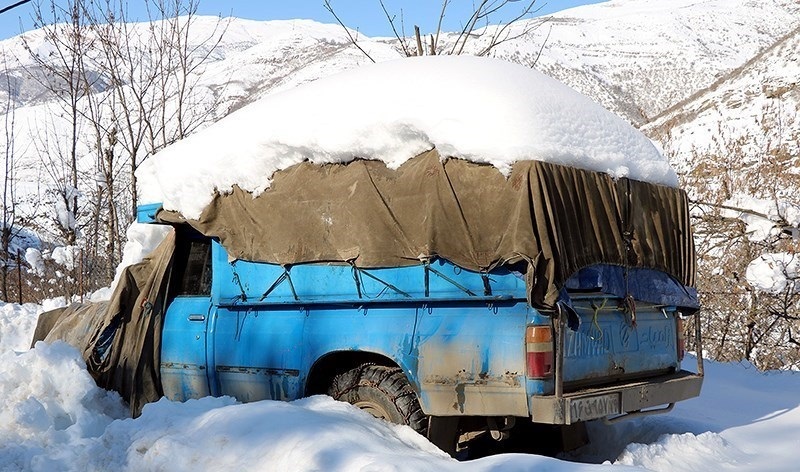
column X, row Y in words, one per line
column 612, row 343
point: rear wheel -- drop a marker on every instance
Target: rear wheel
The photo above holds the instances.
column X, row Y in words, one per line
column 383, row 392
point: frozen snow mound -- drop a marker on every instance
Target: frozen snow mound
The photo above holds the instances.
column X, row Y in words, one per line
column 479, row 109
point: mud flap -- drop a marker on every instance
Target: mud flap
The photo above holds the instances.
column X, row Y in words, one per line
column 443, row 433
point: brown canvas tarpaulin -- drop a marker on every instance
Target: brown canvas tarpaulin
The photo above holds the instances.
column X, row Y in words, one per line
column 74, row 324
column 120, row 339
column 558, row 218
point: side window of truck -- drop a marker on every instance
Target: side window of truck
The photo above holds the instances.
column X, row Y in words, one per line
column 192, row 268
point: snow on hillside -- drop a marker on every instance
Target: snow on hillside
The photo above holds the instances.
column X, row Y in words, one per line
column 758, row 102
column 261, row 57
column 55, row 418
column 479, row 109
column 635, row 57
column 252, row 57
column 639, row 57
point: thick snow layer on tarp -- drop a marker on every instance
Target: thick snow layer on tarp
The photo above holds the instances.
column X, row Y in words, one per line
column 478, row 109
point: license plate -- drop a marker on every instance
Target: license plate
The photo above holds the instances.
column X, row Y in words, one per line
column 589, row 408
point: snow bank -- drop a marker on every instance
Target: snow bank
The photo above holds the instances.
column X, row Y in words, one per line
column 744, row 420
column 51, row 405
column 480, row 109
column 17, row 323
column 696, row 452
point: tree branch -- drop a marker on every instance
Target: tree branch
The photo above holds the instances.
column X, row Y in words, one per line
column 401, row 39
column 327, row 5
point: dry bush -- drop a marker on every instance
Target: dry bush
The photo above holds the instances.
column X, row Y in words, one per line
column 740, row 322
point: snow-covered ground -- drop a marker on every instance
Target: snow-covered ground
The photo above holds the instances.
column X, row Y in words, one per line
column 55, row 418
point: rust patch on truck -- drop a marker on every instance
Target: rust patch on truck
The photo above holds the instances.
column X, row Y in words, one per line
column 508, row 379
column 461, row 379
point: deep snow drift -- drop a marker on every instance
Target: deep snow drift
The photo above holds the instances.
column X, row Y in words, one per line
column 55, row 418
column 480, row 109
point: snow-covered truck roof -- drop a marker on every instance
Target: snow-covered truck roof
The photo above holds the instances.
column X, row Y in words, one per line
column 478, row 161
column 478, row 109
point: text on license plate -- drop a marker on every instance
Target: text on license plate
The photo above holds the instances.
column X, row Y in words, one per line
column 583, row 409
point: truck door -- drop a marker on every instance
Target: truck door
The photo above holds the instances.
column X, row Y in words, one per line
column 184, row 372
column 258, row 352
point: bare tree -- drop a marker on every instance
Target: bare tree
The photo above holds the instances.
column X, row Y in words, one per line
column 9, row 186
column 103, row 239
column 125, row 90
column 477, row 28
column 63, row 72
column 742, row 321
column 154, row 70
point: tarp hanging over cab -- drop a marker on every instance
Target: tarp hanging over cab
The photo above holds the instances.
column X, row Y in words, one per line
column 120, row 339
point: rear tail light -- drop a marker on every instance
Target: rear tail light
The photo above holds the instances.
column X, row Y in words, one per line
column 539, row 349
column 681, row 338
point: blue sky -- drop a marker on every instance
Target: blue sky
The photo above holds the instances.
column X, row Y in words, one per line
column 364, row 15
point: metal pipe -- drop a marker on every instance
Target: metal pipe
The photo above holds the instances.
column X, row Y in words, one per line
column 639, row 414
column 698, row 342
column 560, row 354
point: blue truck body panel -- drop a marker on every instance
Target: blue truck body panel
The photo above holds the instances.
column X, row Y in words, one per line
column 184, row 366
column 459, row 336
column 147, row 213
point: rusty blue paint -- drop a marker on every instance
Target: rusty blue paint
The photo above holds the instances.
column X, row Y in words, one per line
column 464, row 352
column 184, row 370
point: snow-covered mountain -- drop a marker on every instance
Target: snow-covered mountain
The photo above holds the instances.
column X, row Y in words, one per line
column 759, row 100
column 251, row 59
column 685, row 70
column 638, row 58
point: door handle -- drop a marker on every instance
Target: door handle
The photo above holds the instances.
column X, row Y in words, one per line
column 197, row 317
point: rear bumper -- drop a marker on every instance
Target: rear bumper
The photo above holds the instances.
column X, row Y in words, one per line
column 618, row 399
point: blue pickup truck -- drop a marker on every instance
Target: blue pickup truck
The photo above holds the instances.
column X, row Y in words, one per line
column 445, row 350
column 441, row 295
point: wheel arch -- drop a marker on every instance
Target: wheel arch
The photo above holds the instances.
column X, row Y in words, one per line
column 326, row 367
